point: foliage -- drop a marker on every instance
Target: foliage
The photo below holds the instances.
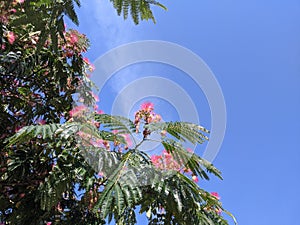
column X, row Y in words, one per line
column 139, row 10
column 66, row 164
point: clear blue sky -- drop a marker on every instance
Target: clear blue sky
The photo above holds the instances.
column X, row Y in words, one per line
column 253, row 48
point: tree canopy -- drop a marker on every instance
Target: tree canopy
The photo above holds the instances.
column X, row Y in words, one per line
column 64, row 161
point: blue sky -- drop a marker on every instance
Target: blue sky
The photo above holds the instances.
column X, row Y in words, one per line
column 253, row 49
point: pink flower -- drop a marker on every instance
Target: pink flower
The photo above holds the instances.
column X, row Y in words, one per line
column 11, row 37
column 48, row 223
column 195, row 178
column 73, row 39
column 216, row 195
column 155, row 159
column 165, row 161
column 86, row 60
column 100, row 111
column 18, row 1
column 77, row 110
column 13, row 10
column 147, row 106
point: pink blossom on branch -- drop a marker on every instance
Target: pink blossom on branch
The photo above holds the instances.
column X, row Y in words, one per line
column 145, row 116
column 18, row 2
column 11, row 37
column 195, row 178
column 216, row 195
column 78, row 110
column 147, row 106
column 86, row 60
column 100, row 111
column 73, row 39
column 13, row 11
column 165, row 161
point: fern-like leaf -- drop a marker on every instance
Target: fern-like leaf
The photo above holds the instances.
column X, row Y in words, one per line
column 139, row 10
column 28, row 132
column 100, row 159
column 120, row 191
column 183, row 131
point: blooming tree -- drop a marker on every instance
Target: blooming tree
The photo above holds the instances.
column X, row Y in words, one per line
column 62, row 163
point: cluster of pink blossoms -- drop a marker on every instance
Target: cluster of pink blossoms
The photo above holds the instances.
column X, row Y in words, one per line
column 11, row 37
column 18, row 2
column 165, row 161
column 146, row 115
column 75, row 43
column 78, row 111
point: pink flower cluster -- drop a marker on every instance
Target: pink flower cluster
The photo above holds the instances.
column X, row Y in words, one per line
column 165, row 161
column 147, row 107
column 78, row 111
column 11, row 37
column 146, row 115
column 75, row 43
column 216, row 195
column 18, row 2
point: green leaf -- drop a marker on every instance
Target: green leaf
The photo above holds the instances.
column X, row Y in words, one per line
column 120, row 191
column 138, row 9
column 183, row 131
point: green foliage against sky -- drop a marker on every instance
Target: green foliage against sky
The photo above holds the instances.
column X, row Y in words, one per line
column 62, row 163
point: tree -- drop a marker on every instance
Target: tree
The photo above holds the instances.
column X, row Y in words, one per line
column 69, row 164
